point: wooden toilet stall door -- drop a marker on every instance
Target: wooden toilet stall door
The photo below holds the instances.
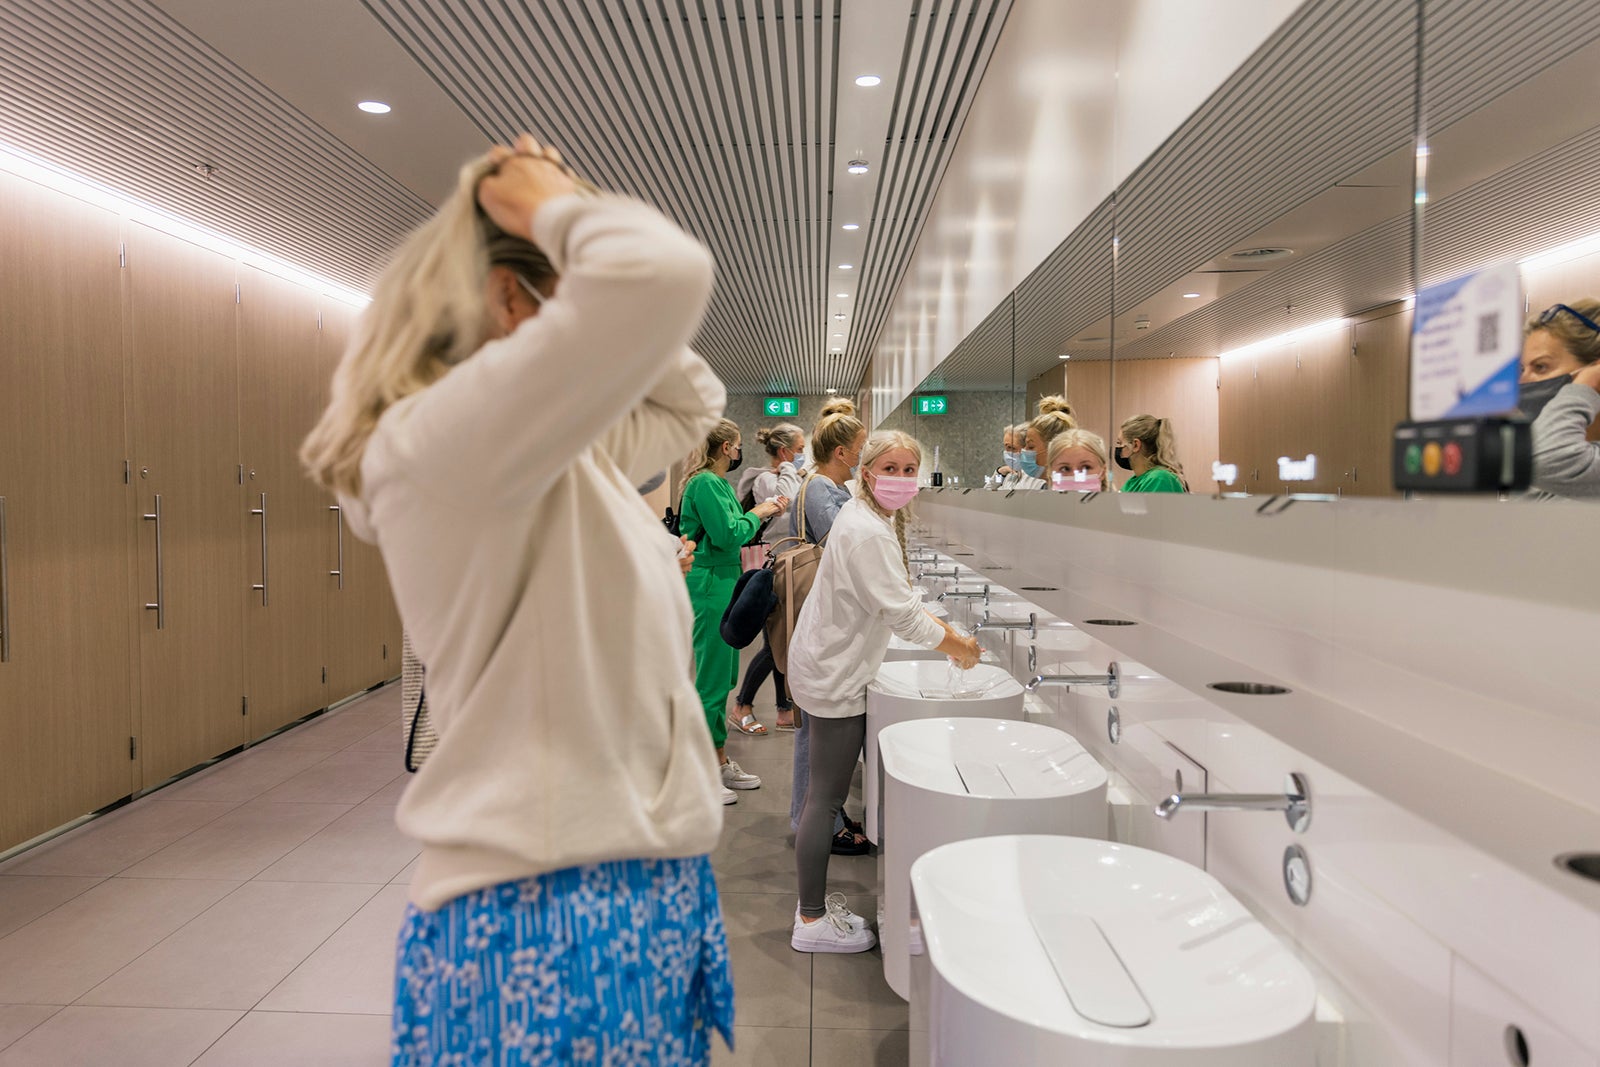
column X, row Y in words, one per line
column 66, row 650
column 184, row 381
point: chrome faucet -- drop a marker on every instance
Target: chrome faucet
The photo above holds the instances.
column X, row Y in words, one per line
column 924, row 572
column 1112, row 680
column 1032, row 625
column 1294, row 802
column 966, row 594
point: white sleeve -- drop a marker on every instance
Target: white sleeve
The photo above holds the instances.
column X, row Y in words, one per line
column 507, row 421
column 878, row 575
column 678, row 412
column 787, row 481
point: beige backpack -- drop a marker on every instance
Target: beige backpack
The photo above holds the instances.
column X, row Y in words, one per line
column 794, row 563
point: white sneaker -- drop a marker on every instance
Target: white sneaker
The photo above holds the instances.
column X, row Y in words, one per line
column 729, row 797
column 734, row 777
column 835, row 903
column 831, row 933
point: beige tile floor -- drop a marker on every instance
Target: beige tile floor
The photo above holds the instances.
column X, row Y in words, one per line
column 246, row 915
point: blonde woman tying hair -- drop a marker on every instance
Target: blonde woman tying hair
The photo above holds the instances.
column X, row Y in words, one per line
column 1148, row 449
column 535, row 889
column 1078, row 463
column 861, row 596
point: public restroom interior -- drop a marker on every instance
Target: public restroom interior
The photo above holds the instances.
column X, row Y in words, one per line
column 1294, row 768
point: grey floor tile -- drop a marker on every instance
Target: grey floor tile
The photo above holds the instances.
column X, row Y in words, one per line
column 363, row 845
column 861, row 1048
column 389, row 738
column 405, row 876
column 849, row 990
column 763, row 1046
column 127, row 1037
column 18, row 1019
column 331, row 733
column 23, row 898
column 61, row 956
column 273, row 1039
column 352, row 973
column 245, row 776
column 116, row 841
column 235, row 953
column 772, row 982
column 241, row 844
column 342, row 778
column 752, row 855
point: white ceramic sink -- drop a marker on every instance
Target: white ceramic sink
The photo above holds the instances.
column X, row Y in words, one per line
column 1063, row 950
column 921, row 689
column 950, row 779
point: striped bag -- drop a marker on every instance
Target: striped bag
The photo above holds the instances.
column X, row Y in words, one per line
column 419, row 734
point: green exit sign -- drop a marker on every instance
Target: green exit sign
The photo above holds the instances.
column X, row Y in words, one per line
column 932, row 405
column 778, row 406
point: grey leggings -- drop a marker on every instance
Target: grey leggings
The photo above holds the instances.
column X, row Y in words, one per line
column 802, row 776
column 835, row 744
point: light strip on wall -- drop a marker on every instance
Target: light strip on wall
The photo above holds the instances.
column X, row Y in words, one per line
column 1287, row 338
column 1583, row 246
column 40, row 171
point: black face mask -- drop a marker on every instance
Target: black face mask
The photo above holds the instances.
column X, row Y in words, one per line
column 1123, row 461
column 733, row 464
column 1533, row 396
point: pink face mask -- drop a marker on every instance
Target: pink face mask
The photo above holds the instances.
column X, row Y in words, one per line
column 893, row 493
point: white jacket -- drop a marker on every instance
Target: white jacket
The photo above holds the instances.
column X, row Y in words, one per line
column 535, row 583
column 862, row 595
column 769, row 485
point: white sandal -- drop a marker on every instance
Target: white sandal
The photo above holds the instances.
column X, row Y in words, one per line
column 747, row 725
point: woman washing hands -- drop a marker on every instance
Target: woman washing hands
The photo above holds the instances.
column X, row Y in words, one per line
column 862, row 595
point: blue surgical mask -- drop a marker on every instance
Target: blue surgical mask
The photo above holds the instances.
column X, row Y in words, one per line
column 1012, row 461
column 799, row 461
column 1028, row 462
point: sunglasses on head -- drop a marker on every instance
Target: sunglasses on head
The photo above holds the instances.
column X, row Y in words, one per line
column 1549, row 314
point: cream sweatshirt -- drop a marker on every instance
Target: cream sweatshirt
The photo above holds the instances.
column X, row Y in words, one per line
column 536, row 585
column 862, row 595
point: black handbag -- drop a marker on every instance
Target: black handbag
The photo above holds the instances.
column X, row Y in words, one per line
column 753, row 600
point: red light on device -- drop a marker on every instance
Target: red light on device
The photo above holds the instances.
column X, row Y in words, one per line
column 1452, row 459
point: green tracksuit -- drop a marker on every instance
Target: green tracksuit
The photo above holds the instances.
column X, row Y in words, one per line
column 711, row 517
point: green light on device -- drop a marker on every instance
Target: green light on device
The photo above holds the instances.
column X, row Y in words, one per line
column 778, row 406
column 932, row 405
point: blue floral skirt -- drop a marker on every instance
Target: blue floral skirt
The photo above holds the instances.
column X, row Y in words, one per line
column 609, row 964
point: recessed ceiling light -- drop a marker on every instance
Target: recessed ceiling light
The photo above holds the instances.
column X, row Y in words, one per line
column 1063, row 357
column 852, row 226
column 838, row 316
column 847, row 266
column 835, row 350
column 842, row 296
column 867, row 81
column 1191, row 296
column 832, row 390
column 374, row 107
column 856, row 166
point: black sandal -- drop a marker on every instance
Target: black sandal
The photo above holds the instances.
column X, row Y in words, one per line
column 848, row 843
column 851, row 825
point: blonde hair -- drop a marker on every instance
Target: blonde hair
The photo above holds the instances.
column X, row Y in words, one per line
column 1082, row 439
column 777, row 438
column 1582, row 342
column 1159, row 442
column 834, row 431
column 839, row 406
column 429, row 311
column 724, row 432
column 1050, row 404
column 1050, row 424
column 879, row 443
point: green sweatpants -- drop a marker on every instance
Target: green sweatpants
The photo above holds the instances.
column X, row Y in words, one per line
column 716, row 663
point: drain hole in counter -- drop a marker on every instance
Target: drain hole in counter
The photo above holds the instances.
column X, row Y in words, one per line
column 1255, row 689
column 1040, row 589
column 1517, row 1047
column 1109, row 622
column 1582, row 864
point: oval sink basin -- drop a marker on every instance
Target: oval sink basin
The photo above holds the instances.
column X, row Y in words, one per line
column 951, row 779
column 1049, row 950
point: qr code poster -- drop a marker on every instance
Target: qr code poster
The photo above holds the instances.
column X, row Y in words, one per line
column 1466, row 341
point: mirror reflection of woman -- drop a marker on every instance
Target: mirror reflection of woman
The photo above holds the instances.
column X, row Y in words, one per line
column 1149, row 448
column 1560, row 390
column 1078, row 463
column 1055, row 418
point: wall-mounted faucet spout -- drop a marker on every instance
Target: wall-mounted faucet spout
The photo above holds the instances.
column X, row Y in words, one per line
column 1294, row 802
column 1112, row 680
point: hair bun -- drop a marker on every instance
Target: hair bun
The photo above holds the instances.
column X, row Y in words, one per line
column 1051, row 404
column 763, row 435
column 840, row 406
